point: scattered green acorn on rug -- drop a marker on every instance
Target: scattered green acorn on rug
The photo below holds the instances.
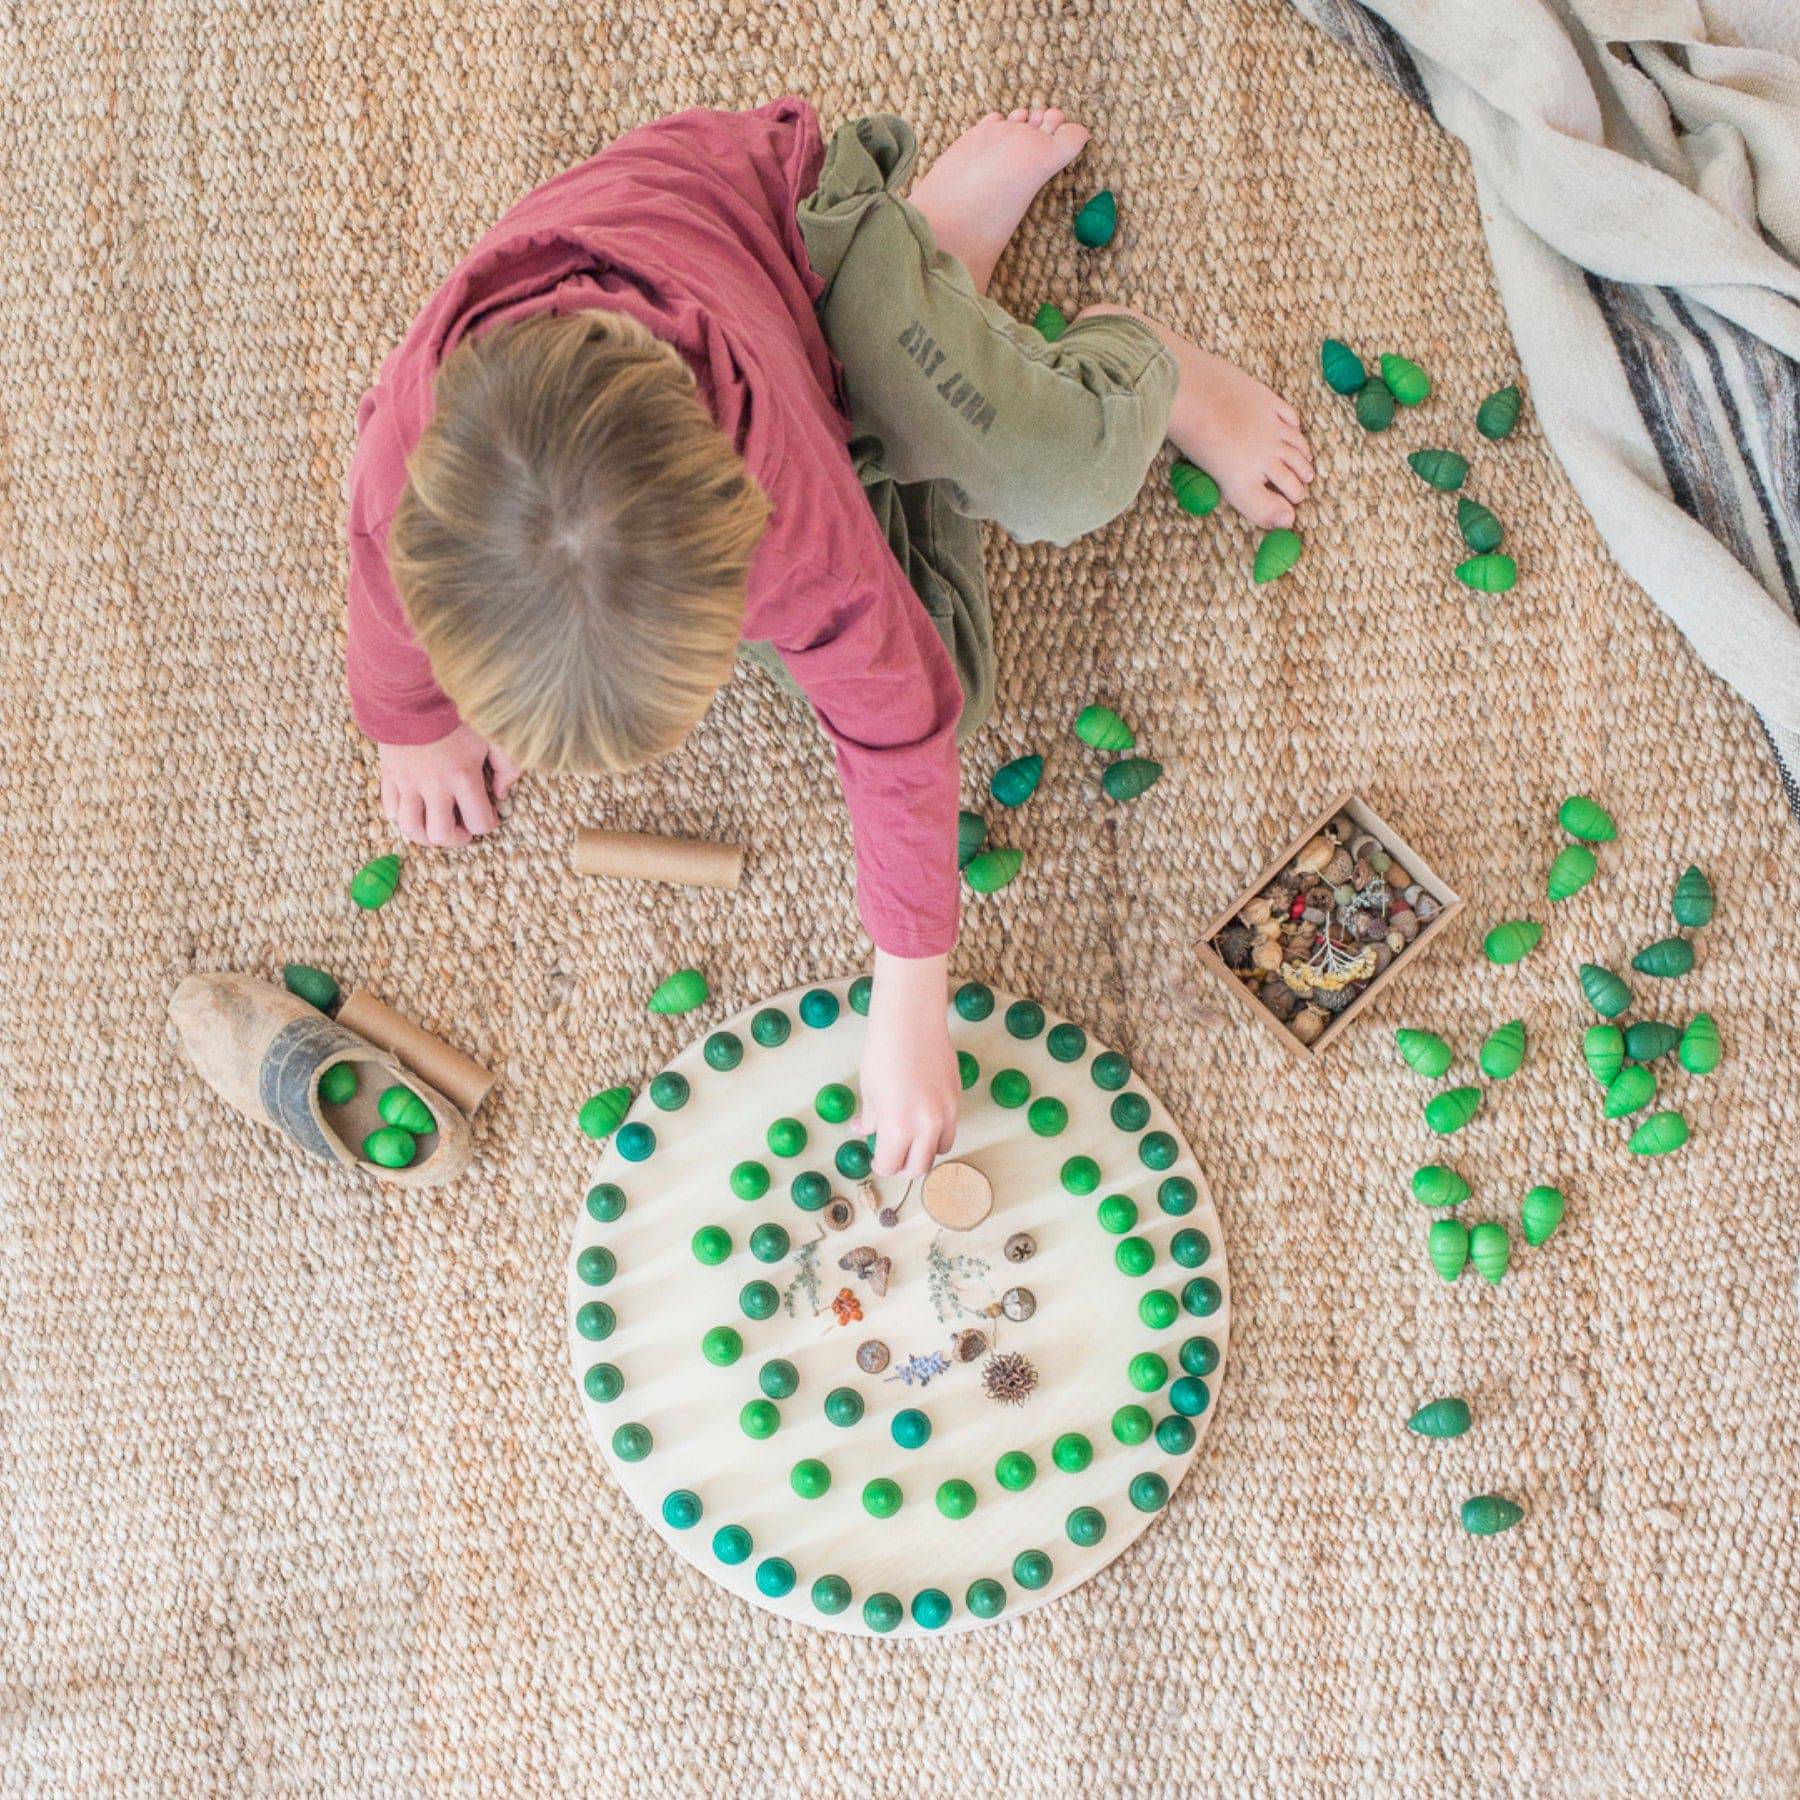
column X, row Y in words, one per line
column 1436, row 1185
column 1405, row 380
column 1195, row 491
column 1701, row 1050
column 1631, row 1090
column 1446, row 1418
column 1487, row 1515
column 1540, row 1213
column 1447, row 1244
column 1443, row 469
column 1650, row 1038
column 1452, row 1110
column 1481, row 531
column 602, row 1113
column 679, row 993
column 1586, row 819
column 1015, row 782
column 1491, row 574
column 1512, row 940
column 1606, row 993
column 971, row 834
column 991, row 870
column 1659, row 1134
column 1100, row 728
column 1424, row 1052
column 1504, row 1050
column 401, row 1106
column 1341, row 367
column 1129, row 777
column 1051, row 321
column 1499, row 413
column 1666, row 958
column 1603, row 1050
column 1096, row 222
column 1573, row 869
column 1374, row 406
column 1490, row 1250
column 372, row 886
column 312, row 985
column 1275, row 555
column 1693, row 900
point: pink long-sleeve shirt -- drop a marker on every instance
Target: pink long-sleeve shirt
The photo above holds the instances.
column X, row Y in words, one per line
column 689, row 226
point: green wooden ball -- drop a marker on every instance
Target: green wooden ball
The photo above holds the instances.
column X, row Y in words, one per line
column 1010, row 1088
column 1190, row 1248
column 1177, row 1196
column 834, row 1103
column 1202, row 1297
column 603, row 1383
column 1701, row 1051
column 1131, row 1112
column 881, row 1498
column 1015, row 1471
column 843, row 1406
column 1131, row 1424
column 1158, row 1309
column 722, row 1346
column 862, row 991
column 974, row 1000
column 986, row 1598
column 854, row 1159
column 1110, row 1071
column 931, row 1608
column 1586, row 819
column 1134, row 1256
column 681, row 1509
column 882, row 1612
column 775, row 1577
column 1086, row 1526
column 632, row 1443
column 750, row 1180
column 759, row 1418
column 758, row 1299
column 1174, row 1435
column 818, row 1008
column 723, row 1051
column 1157, row 1150
column 1148, row 1492
column 769, row 1243
column 811, row 1192
column 786, row 1137
column 390, row 1147
column 830, row 1594
column 771, row 1027
column 1024, row 1019
column 955, row 1499
column 1198, row 1356
column 1066, row 1043
column 636, row 1142
column 1147, row 1372
column 810, row 1478
column 911, row 1428
column 1189, row 1396
column 596, row 1265
column 669, row 1091
column 1080, row 1175
column 778, row 1378
column 1117, row 1213
column 1047, row 1116
column 1072, row 1452
column 1032, row 1569
column 596, row 1321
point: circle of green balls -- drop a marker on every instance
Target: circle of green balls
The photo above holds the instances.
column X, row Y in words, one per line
column 1010, row 1088
column 605, row 1202
column 1047, row 1117
column 1117, row 1213
column 1015, row 1471
column 1131, row 1112
column 1066, row 1043
column 854, row 1159
column 632, row 1443
column 1135, row 1256
column 1177, row 1195
column 1024, row 1019
column 596, row 1265
column 723, row 1051
column 635, row 1141
column 750, row 1180
column 818, row 1008
column 669, row 1091
column 786, row 1137
column 732, row 1544
column 595, row 1321
column 681, row 1509
column 711, row 1245
column 974, row 1000
column 758, row 1299
column 968, row 1070
column 1080, row 1175
column 1032, row 1569
column 769, row 1243
column 862, row 991
column 603, row 1382
column 911, row 1428
column 770, row 1027
column 1110, row 1071
column 811, row 1479
column 810, row 1191
column 881, row 1498
column 834, row 1103
column 722, row 1346
column 955, row 1499
column 759, row 1419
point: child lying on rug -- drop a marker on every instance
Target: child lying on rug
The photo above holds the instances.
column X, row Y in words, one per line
column 721, row 388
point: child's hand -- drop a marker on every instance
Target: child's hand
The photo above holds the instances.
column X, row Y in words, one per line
column 438, row 793
column 910, row 1086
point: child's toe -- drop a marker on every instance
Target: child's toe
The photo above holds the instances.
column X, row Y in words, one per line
column 1036, row 117
column 1053, row 120
column 1019, row 115
column 1284, row 481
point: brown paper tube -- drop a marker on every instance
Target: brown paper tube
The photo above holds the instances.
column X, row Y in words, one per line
column 641, row 856
column 463, row 1079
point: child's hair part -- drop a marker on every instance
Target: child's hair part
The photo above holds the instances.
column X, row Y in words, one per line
column 573, row 540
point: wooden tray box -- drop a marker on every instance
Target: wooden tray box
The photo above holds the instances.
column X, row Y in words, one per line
column 1409, row 859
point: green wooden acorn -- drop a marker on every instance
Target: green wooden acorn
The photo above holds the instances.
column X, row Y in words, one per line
column 680, row 992
column 1540, row 1213
column 1487, row 1515
column 1195, row 491
column 1659, row 1134
column 1341, row 367
column 971, row 834
column 1606, row 993
column 991, row 870
column 1693, row 901
column 1100, row 728
column 1603, row 1050
column 1490, row 1250
column 373, row 885
column 1436, row 1185
column 1447, row 1244
column 1374, row 407
column 1666, row 958
column 1452, row 1110
column 1444, row 469
column 1504, row 1050
column 1573, row 869
column 1499, row 413
column 1405, row 380
column 1275, row 555
column 338, row 1084
column 1481, row 531
column 391, row 1147
column 1424, row 1051
column 1129, row 777
column 600, row 1116
column 1586, row 819
column 1015, row 782
column 1512, row 940
column 1096, row 222
column 1446, row 1418
column 1650, row 1038
column 1492, row 574
column 312, row 985
column 401, row 1106
column 1051, row 321
column 1629, row 1091
column 1701, row 1050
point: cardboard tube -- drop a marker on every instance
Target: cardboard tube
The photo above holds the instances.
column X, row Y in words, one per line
column 642, row 856
column 460, row 1077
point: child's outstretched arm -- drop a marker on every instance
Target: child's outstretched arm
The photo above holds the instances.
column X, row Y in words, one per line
column 910, row 1085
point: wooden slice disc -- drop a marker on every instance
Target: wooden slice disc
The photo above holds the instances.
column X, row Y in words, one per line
column 958, row 1195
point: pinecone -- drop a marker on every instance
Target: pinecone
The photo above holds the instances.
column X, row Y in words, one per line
column 1008, row 1378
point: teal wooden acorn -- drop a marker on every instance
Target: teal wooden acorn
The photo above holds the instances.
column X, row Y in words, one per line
column 1693, row 899
column 1606, row 993
column 1512, row 940
column 1129, row 777
column 373, row 885
column 312, row 985
column 1424, row 1052
column 1446, row 1418
column 1540, row 1212
column 1491, row 574
column 1666, row 958
column 1447, row 1244
column 1490, row 1250
column 1586, row 819
column 1603, row 1050
column 1504, row 1050
column 1650, row 1038
column 1195, row 491
column 1051, row 321
column 1701, row 1050
column 1405, row 380
column 1659, row 1134
column 390, row 1147
column 401, row 1106
column 1437, row 1185
column 1481, row 531
column 1100, row 728
column 971, row 834
column 1443, row 469
column 1573, row 869
column 991, row 870
column 679, row 993
column 601, row 1115
column 1096, row 222
column 1487, row 1515
column 338, row 1084
column 1275, row 555
column 1452, row 1110
column 1499, row 413
column 1341, row 367
column 1015, row 782
column 1629, row 1091
column 1374, row 406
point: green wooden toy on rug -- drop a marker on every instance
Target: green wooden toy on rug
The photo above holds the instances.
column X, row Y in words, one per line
column 1573, row 869
column 1447, row 1244
column 372, row 886
column 1512, row 940
column 402, row 1107
column 1051, row 321
column 1452, row 1110
column 1700, row 1050
column 1424, row 1052
column 1540, row 1213
column 971, row 835
column 1438, row 1186
column 312, row 985
column 1486, row 1515
column 1481, row 531
column 1443, row 469
column 1504, row 1050
column 1490, row 1250
column 1100, row 728
column 1405, row 380
column 1195, row 491
column 1587, row 819
column 1013, row 783
column 1374, row 406
column 1666, row 958
column 1492, row 574
column 1275, row 555
column 679, row 993
column 991, row 870
column 1659, row 1134
column 1342, row 367
column 1603, row 1050
column 1499, row 413
column 1097, row 220
column 601, row 1115
column 1129, row 777
column 1693, row 900
column 1445, row 1418
column 1648, row 1039
column 390, row 1147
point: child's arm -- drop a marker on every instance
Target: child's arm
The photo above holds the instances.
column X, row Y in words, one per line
column 910, row 1084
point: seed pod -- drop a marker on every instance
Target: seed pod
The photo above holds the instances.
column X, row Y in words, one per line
column 1341, row 367
column 1666, row 958
column 1051, row 321
column 1606, row 993
column 1374, row 407
column 991, row 870
column 1452, row 1110
column 1015, row 782
column 1650, row 1038
column 1436, row 1185
column 1195, row 491
column 1486, row 1515
column 391, row 1147
column 1481, row 531
column 1100, row 728
column 1446, row 1418
column 971, row 834
column 1129, row 777
column 1491, row 574
column 1444, row 469
column 1504, row 1050
column 1571, row 872
column 312, row 985
column 1490, row 1250
column 373, row 884
column 1586, row 819
column 1424, row 1052
column 1513, row 939
column 1447, row 1244
column 1603, row 1050
column 1405, row 380
column 1693, row 901
column 680, row 992
column 1632, row 1088
column 401, row 1106
column 1540, row 1213
column 1498, row 413
column 1700, row 1046
column 1275, row 555
column 602, row 1113
column 1096, row 222
column 1659, row 1134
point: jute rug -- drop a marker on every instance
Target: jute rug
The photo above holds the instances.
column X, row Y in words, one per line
column 295, row 1491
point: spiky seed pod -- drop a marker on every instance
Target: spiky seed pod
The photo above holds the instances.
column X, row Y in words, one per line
column 1446, row 1418
column 1492, row 574
column 1129, row 777
column 1008, row 1378
column 1096, row 222
column 1540, row 1213
column 1700, row 1047
column 1100, row 728
column 1606, row 993
column 1693, row 900
column 1666, row 958
column 1447, row 1244
column 1511, row 940
column 1632, row 1089
column 1195, row 491
column 1499, row 413
column 1443, row 469
column 991, row 870
column 1573, row 869
column 1481, row 531
column 1452, row 1110
column 1275, row 555
column 1436, row 1185
column 1486, row 1515
column 680, row 992
column 1603, row 1050
column 1341, row 367
column 1659, row 1134
column 1015, row 782
column 971, row 834
column 1405, row 380
column 1490, row 1250
column 1650, row 1038
column 1051, row 321
column 1586, row 819
column 1424, row 1052
column 602, row 1113
column 372, row 886
column 1504, row 1050
column 1374, row 406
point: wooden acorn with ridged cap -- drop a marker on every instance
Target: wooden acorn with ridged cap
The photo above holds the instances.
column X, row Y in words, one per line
column 1573, row 869
column 1452, row 1110
column 1438, row 1186
column 1540, row 1212
column 1481, row 531
column 1692, row 902
column 1424, row 1052
column 1504, row 1050
column 1341, row 367
column 1100, row 728
column 1196, row 493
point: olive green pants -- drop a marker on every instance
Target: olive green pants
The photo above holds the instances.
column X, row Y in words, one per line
column 958, row 412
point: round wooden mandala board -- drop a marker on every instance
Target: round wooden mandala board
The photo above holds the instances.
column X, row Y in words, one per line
column 642, row 1303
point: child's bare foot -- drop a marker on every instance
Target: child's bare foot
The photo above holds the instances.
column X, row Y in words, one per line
column 1244, row 435
column 976, row 193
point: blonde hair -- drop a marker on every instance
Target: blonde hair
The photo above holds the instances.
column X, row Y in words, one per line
column 572, row 543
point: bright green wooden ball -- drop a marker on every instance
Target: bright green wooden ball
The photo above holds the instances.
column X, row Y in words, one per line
column 1015, row 1471
column 786, row 1137
column 968, row 1070
column 1147, row 1372
column 911, row 1428
column 810, row 1478
column 1010, row 1088
column 955, row 1499
column 750, row 1180
column 834, row 1103
column 759, row 1418
column 1117, row 1213
column 1071, row 1453
column 1405, row 380
column 1080, row 1175
column 1131, row 1424
column 1134, row 1256
column 338, row 1084
column 1159, row 1309
column 881, row 1498
column 722, row 1346
column 1047, row 1116
column 390, row 1147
